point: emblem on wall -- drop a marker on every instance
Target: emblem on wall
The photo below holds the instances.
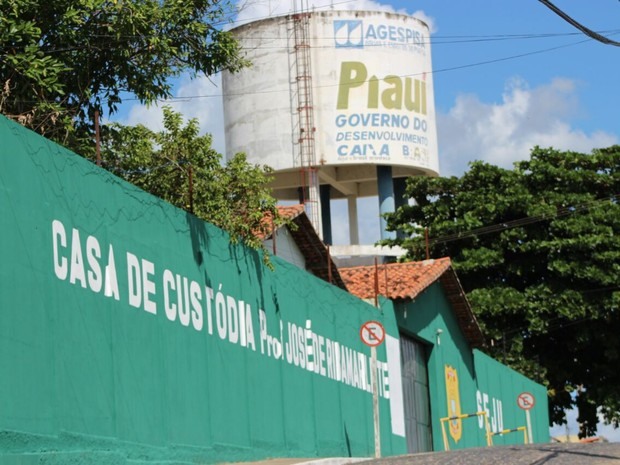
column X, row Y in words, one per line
column 349, row 33
column 454, row 402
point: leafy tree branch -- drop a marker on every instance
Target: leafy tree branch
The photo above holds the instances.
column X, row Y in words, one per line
column 537, row 249
column 179, row 165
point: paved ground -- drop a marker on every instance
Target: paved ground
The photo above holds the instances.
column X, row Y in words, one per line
column 537, row 454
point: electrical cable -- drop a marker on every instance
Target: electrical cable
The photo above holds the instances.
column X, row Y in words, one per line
column 562, row 325
column 589, row 32
column 521, row 221
column 432, row 72
column 436, row 40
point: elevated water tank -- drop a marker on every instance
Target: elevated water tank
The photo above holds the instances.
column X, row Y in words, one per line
column 358, row 84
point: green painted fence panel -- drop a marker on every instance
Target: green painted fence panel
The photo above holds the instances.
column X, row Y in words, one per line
column 498, row 388
column 132, row 332
column 462, row 381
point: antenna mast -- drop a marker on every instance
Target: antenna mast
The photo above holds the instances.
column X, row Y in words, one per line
column 305, row 114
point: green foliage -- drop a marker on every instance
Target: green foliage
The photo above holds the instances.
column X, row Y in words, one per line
column 537, row 249
column 61, row 60
column 234, row 197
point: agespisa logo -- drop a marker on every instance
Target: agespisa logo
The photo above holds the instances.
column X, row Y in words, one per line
column 353, row 33
column 349, row 33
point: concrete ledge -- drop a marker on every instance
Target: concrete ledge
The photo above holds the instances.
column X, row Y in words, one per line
column 335, row 461
column 306, row 461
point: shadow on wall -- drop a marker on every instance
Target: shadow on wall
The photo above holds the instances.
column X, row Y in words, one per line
column 200, row 234
column 347, row 440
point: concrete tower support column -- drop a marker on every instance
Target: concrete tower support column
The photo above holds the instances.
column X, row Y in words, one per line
column 354, row 233
column 326, row 213
column 386, row 198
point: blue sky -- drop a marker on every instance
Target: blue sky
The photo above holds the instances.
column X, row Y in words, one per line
column 508, row 75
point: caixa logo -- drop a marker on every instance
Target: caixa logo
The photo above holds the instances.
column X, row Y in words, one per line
column 349, row 33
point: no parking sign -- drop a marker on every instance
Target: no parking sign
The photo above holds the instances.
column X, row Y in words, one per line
column 372, row 333
column 526, row 401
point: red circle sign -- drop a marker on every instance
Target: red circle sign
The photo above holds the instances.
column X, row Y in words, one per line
column 372, row 333
column 525, row 401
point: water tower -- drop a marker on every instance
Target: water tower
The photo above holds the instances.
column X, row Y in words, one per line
column 339, row 103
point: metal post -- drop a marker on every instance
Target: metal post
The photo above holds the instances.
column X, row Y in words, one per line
column 446, row 445
column 529, row 426
column 376, row 284
column 488, row 430
column 375, row 400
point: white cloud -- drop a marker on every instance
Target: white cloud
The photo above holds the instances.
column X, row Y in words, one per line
column 504, row 132
column 199, row 98
column 251, row 10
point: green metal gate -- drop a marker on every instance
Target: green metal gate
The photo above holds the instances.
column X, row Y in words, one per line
column 416, row 396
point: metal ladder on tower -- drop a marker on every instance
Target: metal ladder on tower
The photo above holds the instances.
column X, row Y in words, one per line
column 305, row 112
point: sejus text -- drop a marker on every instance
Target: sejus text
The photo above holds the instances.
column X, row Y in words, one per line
column 493, row 408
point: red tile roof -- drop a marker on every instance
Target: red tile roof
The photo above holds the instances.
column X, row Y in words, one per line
column 316, row 254
column 288, row 212
column 405, row 281
column 395, row 280
column 291, row 211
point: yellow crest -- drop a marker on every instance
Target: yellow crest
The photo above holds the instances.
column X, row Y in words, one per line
column 454, row 402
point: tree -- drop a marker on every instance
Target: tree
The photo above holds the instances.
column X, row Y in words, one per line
column 62, row 60
column 537, row 249
column 179, row 166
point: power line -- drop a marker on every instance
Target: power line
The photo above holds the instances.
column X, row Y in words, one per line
column 556, row 324
column 462, row 39
column 436, row 40
column 432, row 72
column 563, row 324
column 521, row 221
column 589, row 32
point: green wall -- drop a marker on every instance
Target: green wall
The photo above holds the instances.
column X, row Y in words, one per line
column 483, row 383
column 130, row 331
column 501, row 384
